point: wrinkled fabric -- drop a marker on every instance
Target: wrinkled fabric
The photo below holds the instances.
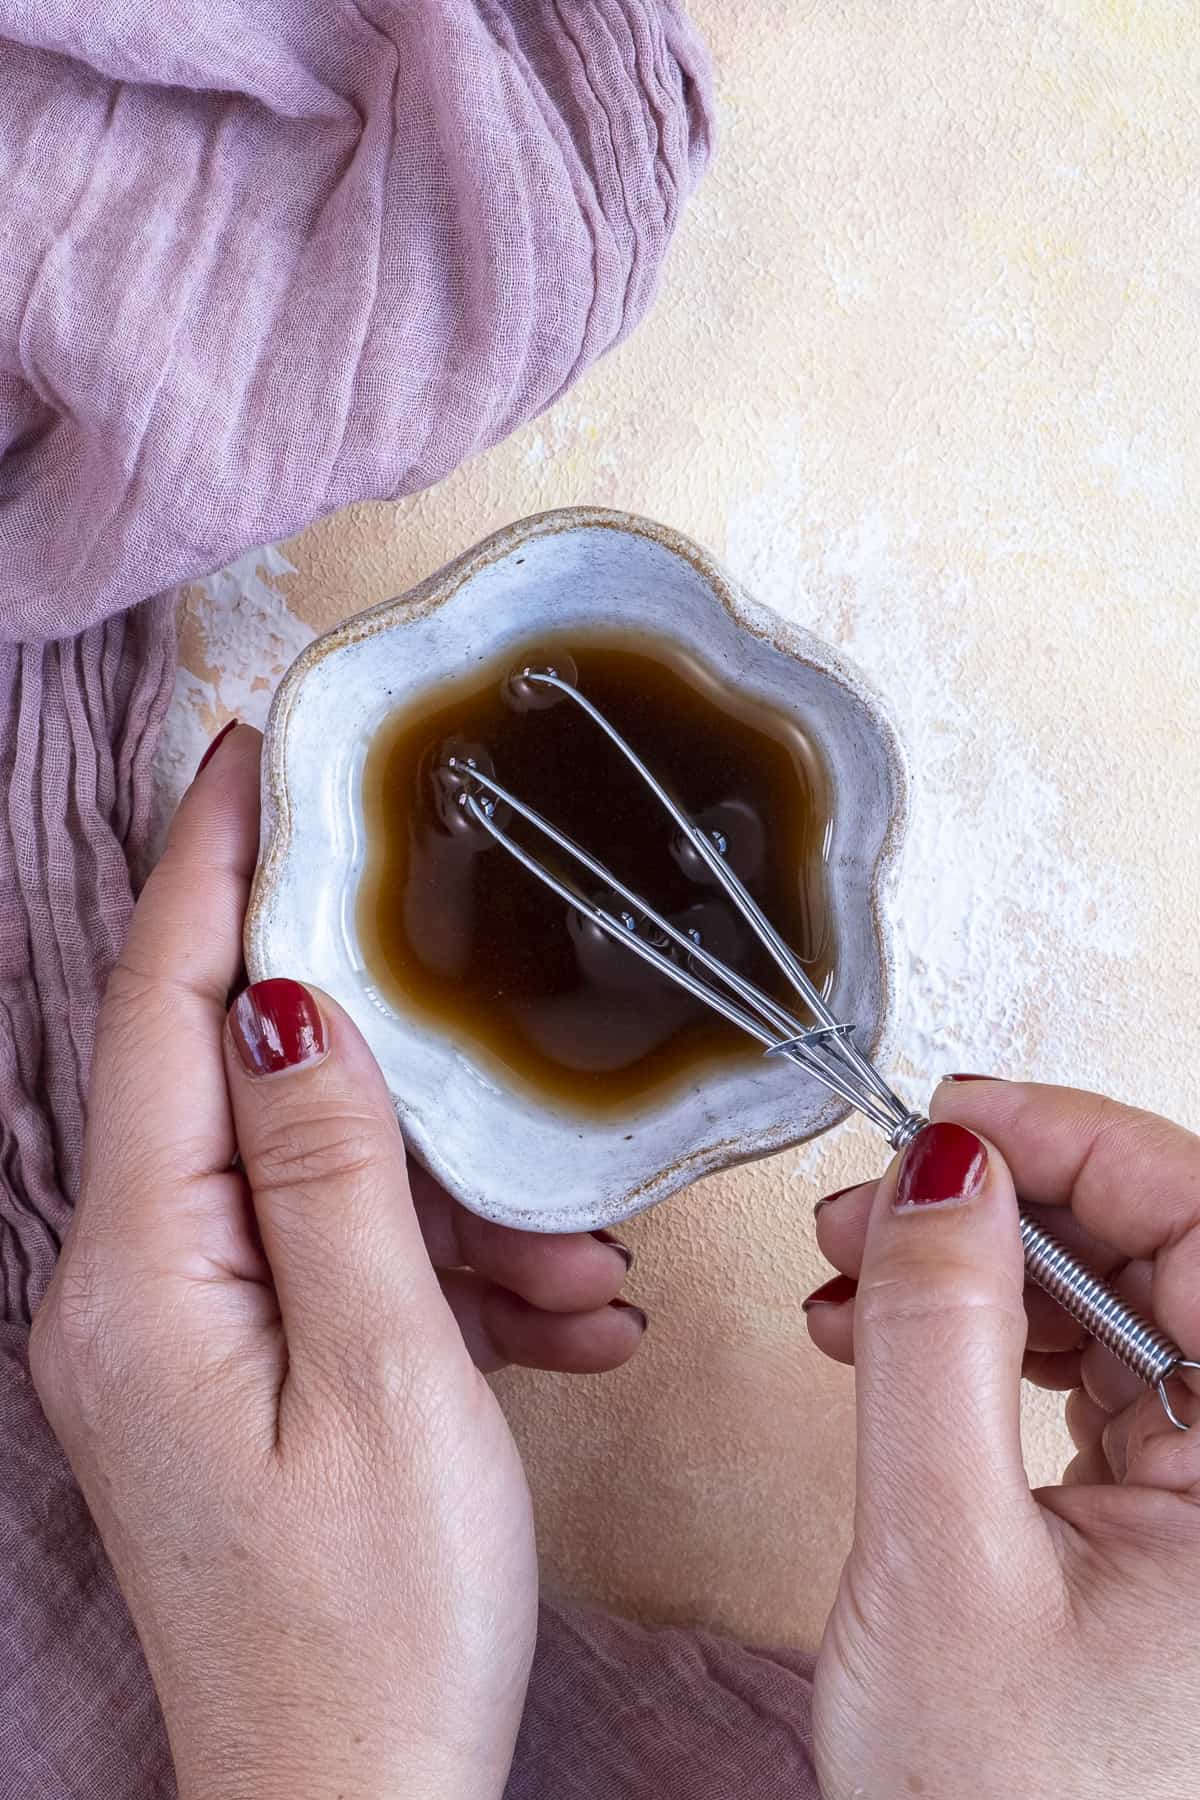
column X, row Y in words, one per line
column 79, row 1718
column 265, row 257
column 259, row 259
column 620, row 1712
column 79, row 720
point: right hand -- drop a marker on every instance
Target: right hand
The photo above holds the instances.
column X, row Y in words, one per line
column 988, row 1641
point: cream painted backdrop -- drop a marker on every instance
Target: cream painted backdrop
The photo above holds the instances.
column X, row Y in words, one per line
column 925, row 374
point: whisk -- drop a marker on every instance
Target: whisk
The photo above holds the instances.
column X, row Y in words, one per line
column 825, row 1047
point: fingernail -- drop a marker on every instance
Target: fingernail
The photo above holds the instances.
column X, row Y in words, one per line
column 624, row 1306
column 972, row 1077
column 836, row 1195
column 943, row 1166
column 614, row 1243
column 834, row 1293
column 213, row 747
column 276, row 1025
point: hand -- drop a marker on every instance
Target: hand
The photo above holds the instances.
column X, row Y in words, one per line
column 986, row 1640
column 268, row 1384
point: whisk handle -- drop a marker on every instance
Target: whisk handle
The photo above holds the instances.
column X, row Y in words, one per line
column 1141, row 1346
column 1110, row 1320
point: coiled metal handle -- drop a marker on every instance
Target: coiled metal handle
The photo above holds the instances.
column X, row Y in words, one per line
column 1149, row 1352
column 1090, row 1301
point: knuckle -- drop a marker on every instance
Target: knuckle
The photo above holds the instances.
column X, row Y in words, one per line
column 129, row 992
column 140, row 1010
column 388, row 1395
column 962, row 1299
column 75, row 1349
column 139, row 994
column 295, row 1154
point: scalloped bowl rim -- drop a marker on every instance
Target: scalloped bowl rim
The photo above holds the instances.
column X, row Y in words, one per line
column 793, row 641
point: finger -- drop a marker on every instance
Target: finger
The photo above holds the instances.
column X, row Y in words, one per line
column 1076, row 1237
column 841, row 1222
column 1139, row 1445
column 1051, row 1330
column 159, row 1118
column 1089, row 1469
column 1154, row 1452
column 568, row 1274
column 841, row 1225
column 1108, row 1381
column 499, row 1328
column 1114, row 1440
column 1131, row 1178
column 326, row 1167
column 829, row 1314
column 831, row 1327
column 1085, row 1421
column 1050, row 1327
column 1057, row 1371
column 939, row 1333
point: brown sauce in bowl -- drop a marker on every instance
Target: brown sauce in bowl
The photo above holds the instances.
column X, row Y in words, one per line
column 454, row 930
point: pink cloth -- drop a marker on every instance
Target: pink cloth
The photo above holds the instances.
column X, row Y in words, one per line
column 259, row 258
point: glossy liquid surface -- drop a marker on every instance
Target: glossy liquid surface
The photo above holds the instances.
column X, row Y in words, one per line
column 455, row 930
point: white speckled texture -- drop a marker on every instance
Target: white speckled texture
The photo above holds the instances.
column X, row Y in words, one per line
column 491, row 1143
column 925, row 377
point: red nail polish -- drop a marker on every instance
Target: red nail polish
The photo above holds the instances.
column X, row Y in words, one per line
column 972, row 1078
column 836, row 1195
column 833, row 1293
column 943, row 1166
column 614, row 1243
column 213, row 747
column 624, row 1306
column 276, row 1025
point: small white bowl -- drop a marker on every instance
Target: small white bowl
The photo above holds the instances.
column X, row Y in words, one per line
column 501, row 1152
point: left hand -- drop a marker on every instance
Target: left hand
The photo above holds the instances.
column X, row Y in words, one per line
column 261, row 1374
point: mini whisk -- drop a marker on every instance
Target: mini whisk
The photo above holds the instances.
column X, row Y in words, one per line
column 825, row 1048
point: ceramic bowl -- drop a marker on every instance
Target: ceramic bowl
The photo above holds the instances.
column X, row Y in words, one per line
column 501, row 1152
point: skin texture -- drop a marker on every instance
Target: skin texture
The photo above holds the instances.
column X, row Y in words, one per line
column 267, row 1378
column 987, row 1640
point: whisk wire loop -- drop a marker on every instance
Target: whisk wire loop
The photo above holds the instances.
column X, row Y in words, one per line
column 843, row 1058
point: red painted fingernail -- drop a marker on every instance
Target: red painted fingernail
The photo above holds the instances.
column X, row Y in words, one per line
column 276, row 1025
column 972, row 1077
column 614, row 1243
column 944, row 1165
column 624, row 1306
column 833, row 1293
column 836, row 1195
column 214, row 746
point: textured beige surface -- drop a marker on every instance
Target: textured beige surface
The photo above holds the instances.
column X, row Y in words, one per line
column 925, row 375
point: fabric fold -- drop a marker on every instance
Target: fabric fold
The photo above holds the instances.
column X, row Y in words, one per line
column 79, row 720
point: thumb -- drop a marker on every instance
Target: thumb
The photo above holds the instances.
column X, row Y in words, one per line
column 939, row 1331
column 323, row 1155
